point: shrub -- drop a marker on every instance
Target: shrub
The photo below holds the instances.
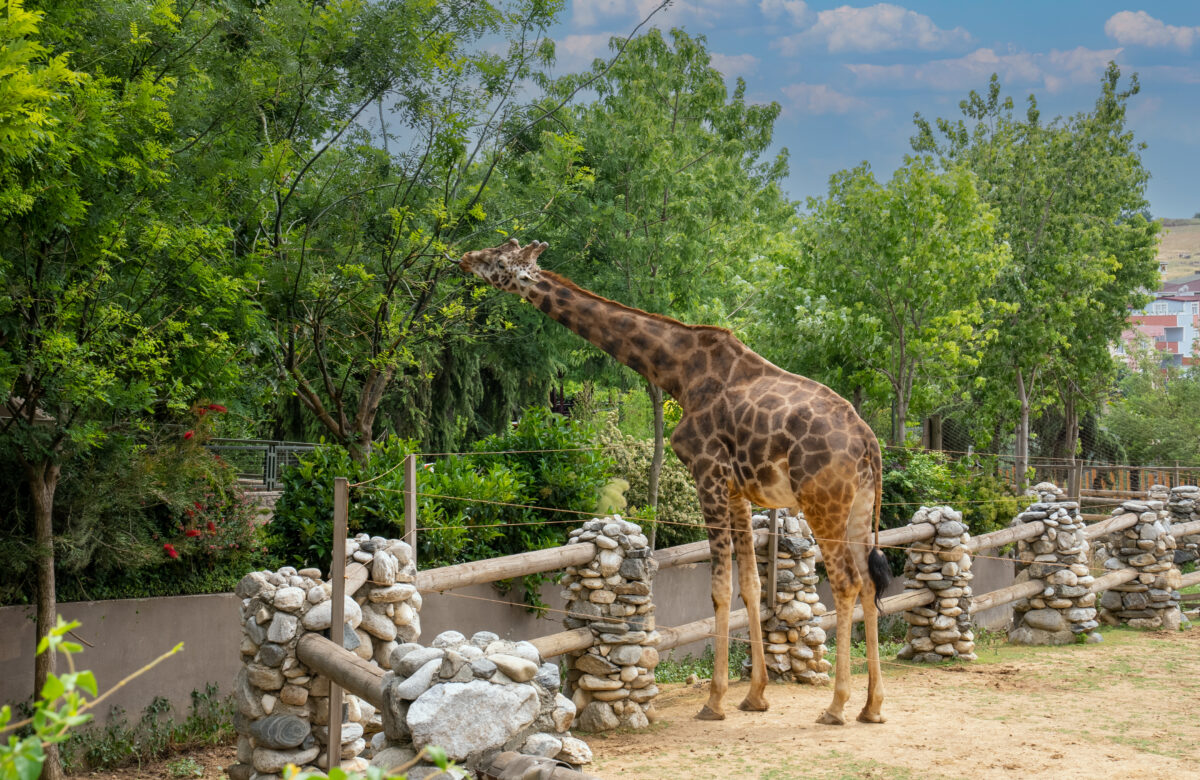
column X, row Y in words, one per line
column 678, row 516
column 500, row 498
column 133, row 520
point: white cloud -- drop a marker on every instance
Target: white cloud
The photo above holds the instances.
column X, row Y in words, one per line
column 1055, row 70
column 734, row 65
column 795, row 10
column 575, row 53
column 592, row 12
column 820, row 99
column 880, row 27
column 1140, row 28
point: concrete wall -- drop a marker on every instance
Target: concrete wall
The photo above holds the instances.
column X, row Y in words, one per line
column 121, row 636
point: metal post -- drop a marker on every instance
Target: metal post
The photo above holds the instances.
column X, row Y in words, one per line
column 337, row 626
column 410, row 503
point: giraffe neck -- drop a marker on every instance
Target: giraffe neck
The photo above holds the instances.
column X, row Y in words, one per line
column 650, row 344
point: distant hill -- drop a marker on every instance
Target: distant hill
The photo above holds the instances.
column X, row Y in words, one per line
column 1180, row 247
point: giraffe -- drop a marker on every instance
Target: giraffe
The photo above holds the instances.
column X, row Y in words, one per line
column 750, row 432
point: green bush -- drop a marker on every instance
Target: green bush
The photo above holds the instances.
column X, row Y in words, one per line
column 913, row 478
column 678, row 516
column 478, row 505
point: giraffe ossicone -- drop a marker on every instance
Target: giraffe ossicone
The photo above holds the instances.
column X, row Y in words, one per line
column 750, row 432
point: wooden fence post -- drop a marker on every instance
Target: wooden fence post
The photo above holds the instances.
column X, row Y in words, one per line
column 337, row 625
column 772, row 556
column 1075, row 483
column 410, row 503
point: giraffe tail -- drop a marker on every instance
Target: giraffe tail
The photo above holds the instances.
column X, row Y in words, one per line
column 877, row 565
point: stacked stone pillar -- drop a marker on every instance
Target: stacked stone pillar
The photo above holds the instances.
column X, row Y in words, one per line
column 1066, row 607
column 1183, row 506
column 1152, row 599
column 613, row 680
column 795, row 642
column 940, row 630
column 282, row 707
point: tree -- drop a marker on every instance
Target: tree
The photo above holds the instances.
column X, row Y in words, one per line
column 1069, row 196
column 901, row 270
column 117, row 307
column 1156, row 414
column 682, row 190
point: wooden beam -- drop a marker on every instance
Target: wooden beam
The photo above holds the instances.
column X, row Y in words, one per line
column 1022, row 590
column 772, row 553
column 1005, row 536
column 337, row 577
column 1112, row 579
column 410, row 502
column 362, row 678
column 1188, row 580
column 1111, row 525
column 493, row 569
column 563, row 642
column 501, row 762
column 1185, row 529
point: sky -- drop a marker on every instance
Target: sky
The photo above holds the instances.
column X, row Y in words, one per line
column 849, row 78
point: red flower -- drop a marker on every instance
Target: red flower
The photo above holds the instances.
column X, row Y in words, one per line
column 198, row 505
column 217, row 408
column 202, row 411
column 212, row 528
column 191, row 532
column 170, row 550
column 189, row 434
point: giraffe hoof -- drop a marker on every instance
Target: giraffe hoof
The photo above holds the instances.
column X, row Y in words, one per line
column 750, row 705
column 829, row 719
column 708, row 714
column 867, row 717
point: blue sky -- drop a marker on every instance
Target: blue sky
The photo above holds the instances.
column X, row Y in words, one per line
column 850, row 77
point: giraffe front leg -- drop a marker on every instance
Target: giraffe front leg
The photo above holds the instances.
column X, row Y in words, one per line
column 751, row 587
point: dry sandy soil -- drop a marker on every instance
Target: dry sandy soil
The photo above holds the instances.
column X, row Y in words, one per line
column 1123, row 708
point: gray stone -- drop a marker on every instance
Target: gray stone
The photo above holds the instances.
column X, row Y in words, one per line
column 548, row 676
column 1045, row 619
column 271, row 654
column 624, row 655
column 516, row 669
column 280, row 732
column 544, row 745
column 466, row 719
column 418, row 682
column 575, row 752
column 448, row 639
column 384, row 568
column 483, row 668
column 289, row 599
column 377, row 624
column 283, row 627
column 270, row 761
column 598, row 716
column 563, row 713
column 406, row 661
column 319, row 616
column 392, row 758
column 482, row 639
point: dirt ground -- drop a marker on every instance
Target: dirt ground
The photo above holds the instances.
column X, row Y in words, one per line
column 1123, row 708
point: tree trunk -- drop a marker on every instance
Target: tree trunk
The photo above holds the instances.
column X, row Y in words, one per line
column 858, row 399
column 1022, row 446
column 1071, row 431
column 656, row 402
column 42, row 479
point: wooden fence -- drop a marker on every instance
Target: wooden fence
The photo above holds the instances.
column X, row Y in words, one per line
column 539, row 561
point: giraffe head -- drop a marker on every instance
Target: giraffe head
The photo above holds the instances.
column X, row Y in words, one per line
column 509, row 267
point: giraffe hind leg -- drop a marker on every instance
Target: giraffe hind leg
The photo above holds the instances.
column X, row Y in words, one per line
column 751, row 587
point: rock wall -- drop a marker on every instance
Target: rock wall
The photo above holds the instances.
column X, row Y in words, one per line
column 1066, row 607
column 613, row 680
column 282, row 707
column 1183, row 506
column 942, row 629
column 795, row 643
column 1151, row 600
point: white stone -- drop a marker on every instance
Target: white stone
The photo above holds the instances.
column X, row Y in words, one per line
column 470, row 718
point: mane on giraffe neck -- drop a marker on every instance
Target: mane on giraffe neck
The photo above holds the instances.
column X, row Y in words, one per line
column 567, row 283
